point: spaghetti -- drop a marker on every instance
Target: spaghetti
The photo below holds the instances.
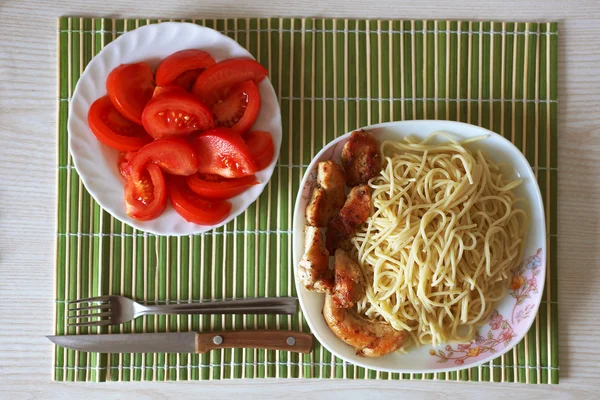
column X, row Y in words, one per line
column 443, row 238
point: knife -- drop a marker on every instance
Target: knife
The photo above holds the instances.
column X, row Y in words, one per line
column 187, row 342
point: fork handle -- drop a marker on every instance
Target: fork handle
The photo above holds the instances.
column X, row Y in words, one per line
column 273, row 305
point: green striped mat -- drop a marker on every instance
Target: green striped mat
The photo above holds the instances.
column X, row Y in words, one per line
column 331, row 76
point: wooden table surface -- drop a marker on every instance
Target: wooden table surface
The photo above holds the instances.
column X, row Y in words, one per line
column 28, row 193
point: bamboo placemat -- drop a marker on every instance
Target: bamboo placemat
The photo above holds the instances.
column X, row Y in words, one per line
column 331, row 76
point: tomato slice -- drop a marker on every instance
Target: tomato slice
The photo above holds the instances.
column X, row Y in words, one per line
column 165, row 89
column 186, row 80
column 195, row 209
column 130, row 88
column 173, row 155
column 124, row 163
column 214, row 187
column 261, row 147
column 174, row 66
column 223, row 152
column 214, row 83
column 146, row 198
column 114, row 130
column 175, row 113
column 239, row 109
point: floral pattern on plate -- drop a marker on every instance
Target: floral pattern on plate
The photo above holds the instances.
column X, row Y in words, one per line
column 523, row 283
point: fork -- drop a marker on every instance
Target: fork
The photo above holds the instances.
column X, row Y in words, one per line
column 113, row 310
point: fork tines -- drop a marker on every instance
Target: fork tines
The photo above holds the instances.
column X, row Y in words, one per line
column 89, row 317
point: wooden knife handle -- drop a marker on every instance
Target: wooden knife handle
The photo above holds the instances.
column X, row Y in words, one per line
column 298, row 342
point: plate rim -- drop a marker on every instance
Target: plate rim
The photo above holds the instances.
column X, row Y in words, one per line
column 295, row 229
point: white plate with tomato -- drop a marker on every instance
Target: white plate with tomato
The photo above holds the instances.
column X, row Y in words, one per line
column 174, row 128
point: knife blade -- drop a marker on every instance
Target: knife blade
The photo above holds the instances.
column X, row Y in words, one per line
column 187, row 342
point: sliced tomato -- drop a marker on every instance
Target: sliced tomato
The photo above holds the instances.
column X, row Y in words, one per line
column 215, row 187
column 223, row 152
column 165, row 89
column 146, row 197
column 176, row 113
column 124, row 163
column 261, row 147
column 130, row 88
column 181, row 62
column 239, row 109
column 194, row 208
column 114, row 130
column 174, row 156
column 187, row 79
column 214, row 83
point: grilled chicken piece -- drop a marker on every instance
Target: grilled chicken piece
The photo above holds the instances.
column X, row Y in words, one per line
column 313, row 270
column 369, row 338
column 328, row 196
column 360, row 158
column 355, row 211
column 348, row 287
